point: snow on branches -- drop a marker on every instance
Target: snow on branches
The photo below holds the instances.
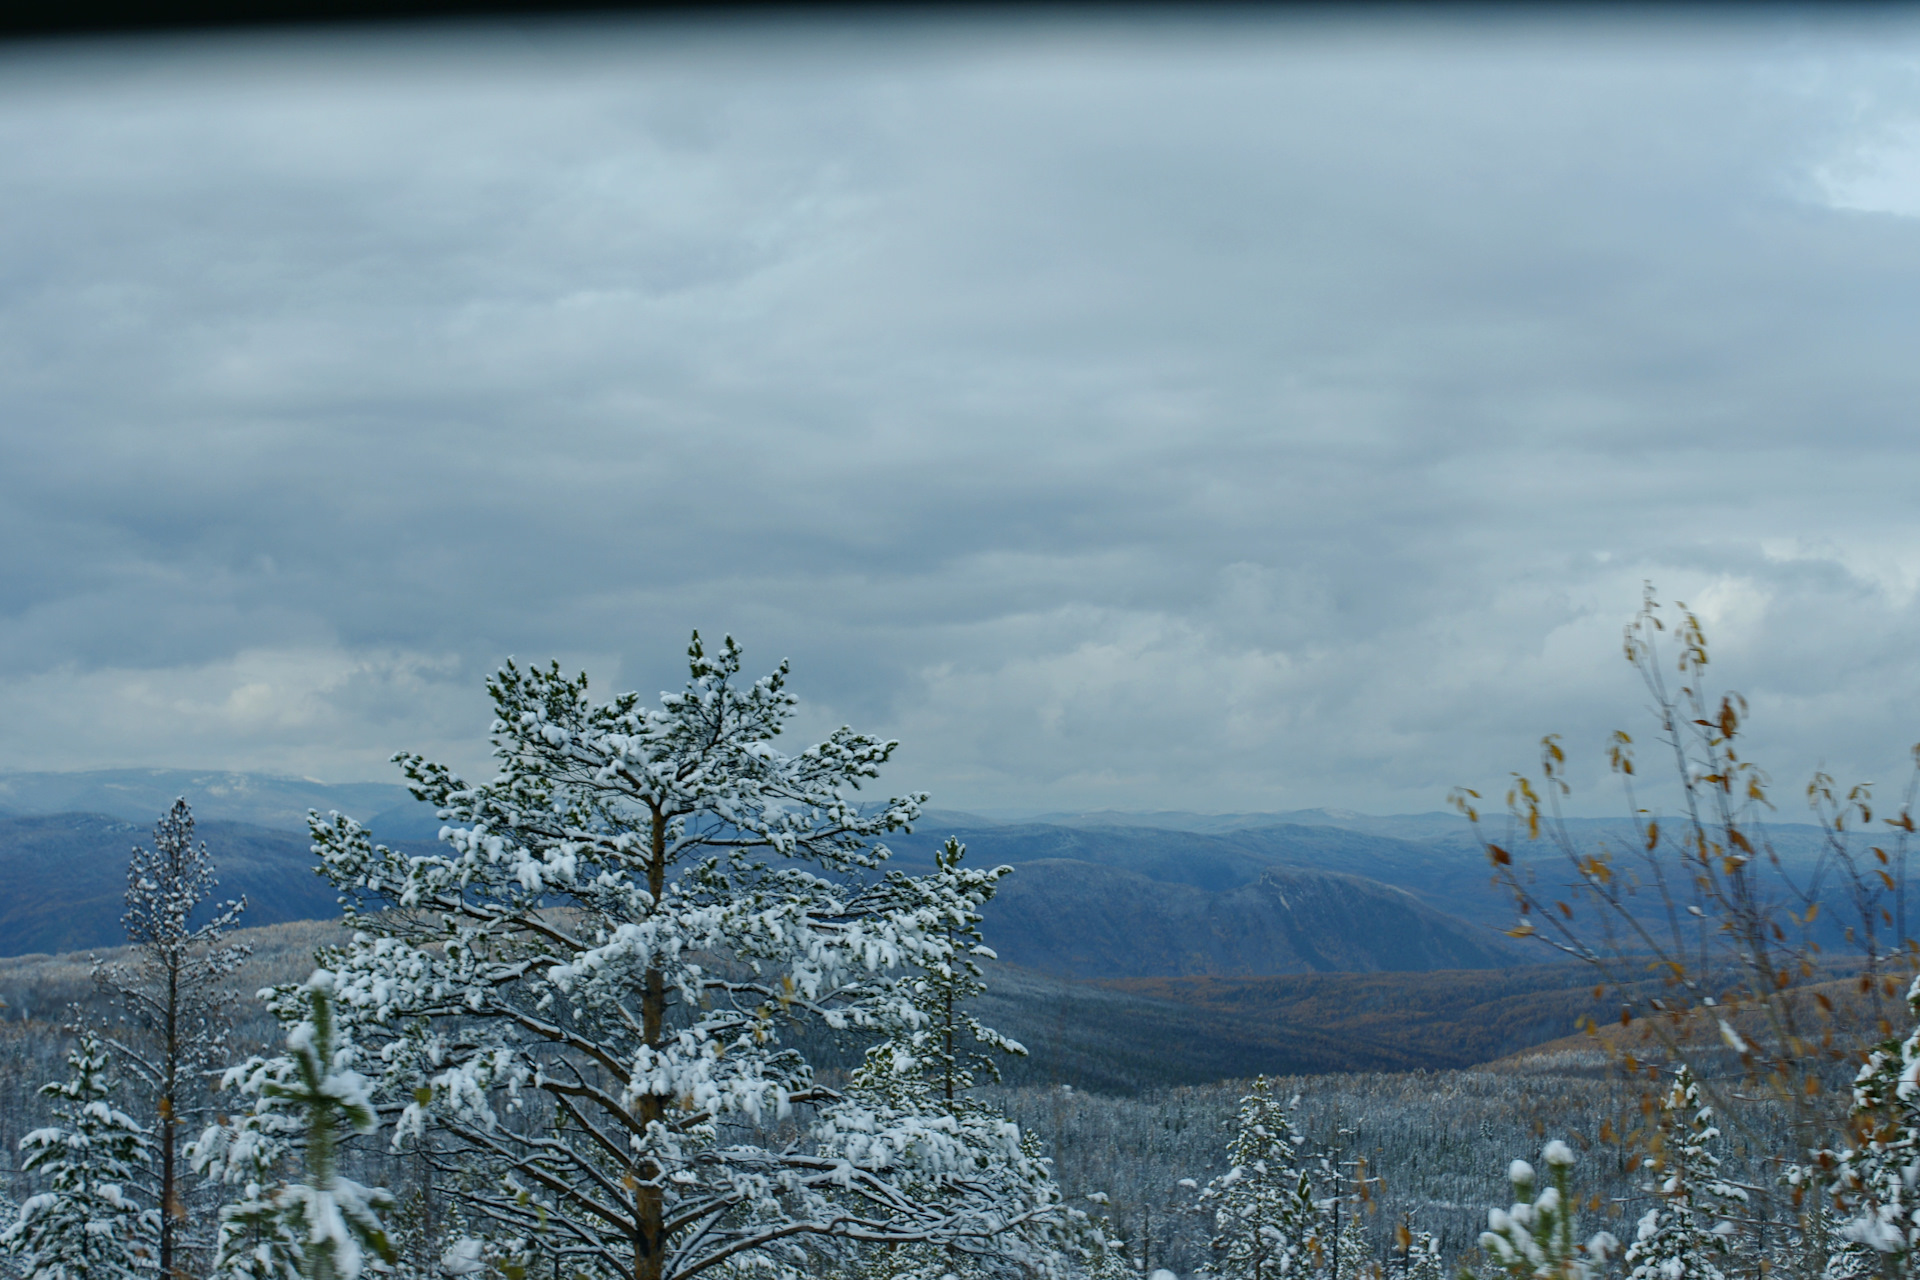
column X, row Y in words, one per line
column 86, row 1225
column 1267, row 1223
column 1688, row 1233
column 923, row 1055
column 1535, row 1238
column 319, row 1228
column 1872, row 1181
column 587, row 991
column 175, row 996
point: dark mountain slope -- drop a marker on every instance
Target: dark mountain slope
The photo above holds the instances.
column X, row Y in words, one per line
column 65, row 878
column 1173, row 857
column 1403, row 826
column 1445, row 1019
column 1079, row 919
column 1452, row 879
column 1120, row 1036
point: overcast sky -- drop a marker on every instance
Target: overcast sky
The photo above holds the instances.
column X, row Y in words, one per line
column 1254, row 414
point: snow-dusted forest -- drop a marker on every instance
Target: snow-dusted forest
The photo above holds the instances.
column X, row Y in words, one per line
column 658, row 1008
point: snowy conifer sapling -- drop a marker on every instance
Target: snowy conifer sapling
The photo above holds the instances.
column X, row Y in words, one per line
column 175, row 995
column 1536, row 1238
column 586, row 993
column 1687, row 1234
column 308, row 1098
column 925, row 1055
column 1874, row 1176
column 930, row 1058
column 1267, row 1223
column 86, row 1225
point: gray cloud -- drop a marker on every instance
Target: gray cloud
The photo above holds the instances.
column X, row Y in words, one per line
column 1247, row 413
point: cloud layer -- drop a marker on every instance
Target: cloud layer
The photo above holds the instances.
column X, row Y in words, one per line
column 1253, row 413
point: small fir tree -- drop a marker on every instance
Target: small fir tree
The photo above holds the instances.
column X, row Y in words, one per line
column 321, row 1227
column 1267, row 1223
column 1536, row 1238
column 176, row 1000
column 87, row 1224
column 1423, row 1257
column 1871, row 1182
column 1687, row 1234
column 1352, row 1249
column 925, row 1055
column 930, row 1058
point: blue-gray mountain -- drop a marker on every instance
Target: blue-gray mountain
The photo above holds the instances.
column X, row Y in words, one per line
column 1107, row 904
column 1310, row 891
column 263, row 800
column 66, row 878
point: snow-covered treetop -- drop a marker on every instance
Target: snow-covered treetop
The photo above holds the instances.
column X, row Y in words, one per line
column 584, row 775
column 587, row 988
column 321, row 1226
column 86, row 1223
column 167, row 882
column 926, row 1050
column 1535, row 1239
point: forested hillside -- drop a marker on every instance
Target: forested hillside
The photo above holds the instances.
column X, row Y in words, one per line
column 1082, row 919
column 1089, row 900
column 67, row 878
column 1119, row 1036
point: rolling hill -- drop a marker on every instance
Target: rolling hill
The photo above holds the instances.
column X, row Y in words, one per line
column 1449, row 880
column 1086, row 920
column 264, row 800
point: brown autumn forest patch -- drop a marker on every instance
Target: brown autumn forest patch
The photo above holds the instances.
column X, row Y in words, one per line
column 1446, row 1018
column 1466, row 1017
column 1839, row 1020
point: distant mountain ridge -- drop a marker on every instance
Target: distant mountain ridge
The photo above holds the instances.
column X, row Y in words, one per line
column 66, row 878
column 1402, row 826
column 262, row 800
column 1094, row 899
column 1122, row 911
column 1083, row 920
column 1118, row 1036
column 1448, row 879
column 1092, row 902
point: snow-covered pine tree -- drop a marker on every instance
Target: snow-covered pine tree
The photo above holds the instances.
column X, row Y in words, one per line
column 1352, row 1253
column 9, row 1215
column 175, row 998
column 1535, row 1239
column 929, row 1059
column 86, row 1224
column 1423, row 1257
column 585, row 994
column 1687, row 1235
column 1872, row 1180
column 1267, row 1223
column 926, row 1051
column 306, row 1099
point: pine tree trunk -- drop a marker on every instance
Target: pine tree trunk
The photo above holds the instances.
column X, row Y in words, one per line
column 171, row 1210
column 948, row 1033
column 649, row 1252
